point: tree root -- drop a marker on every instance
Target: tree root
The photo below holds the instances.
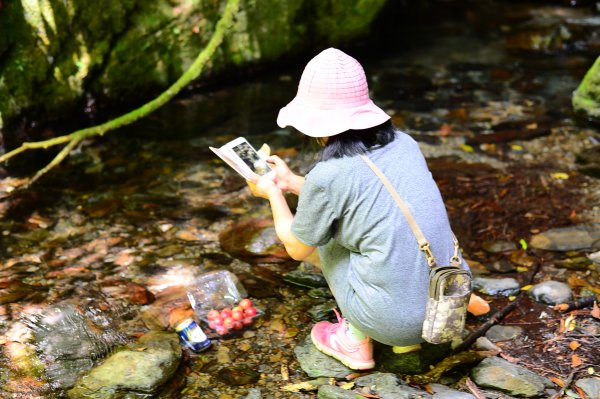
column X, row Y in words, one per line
column 73, row 139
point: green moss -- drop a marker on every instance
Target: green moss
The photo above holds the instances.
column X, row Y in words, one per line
column 55, row 52
column 586, row 99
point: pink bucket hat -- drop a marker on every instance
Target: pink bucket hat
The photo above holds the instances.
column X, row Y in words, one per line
column 333, row 96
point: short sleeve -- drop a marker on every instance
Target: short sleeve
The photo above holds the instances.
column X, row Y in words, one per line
column 314, row 219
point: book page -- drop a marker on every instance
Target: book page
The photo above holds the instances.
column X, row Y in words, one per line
column 233, row 161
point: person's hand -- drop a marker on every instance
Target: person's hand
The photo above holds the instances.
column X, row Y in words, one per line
column 262, row 187
column 284, row 176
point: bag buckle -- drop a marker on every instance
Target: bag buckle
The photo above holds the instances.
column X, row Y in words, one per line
column 428, row 254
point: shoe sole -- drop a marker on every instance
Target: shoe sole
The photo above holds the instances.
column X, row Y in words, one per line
column 346, row 361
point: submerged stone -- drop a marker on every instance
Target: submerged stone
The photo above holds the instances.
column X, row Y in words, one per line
column 551, row 292
column 305, row 279
column 496, row 373
column 71, row 339
column 254, row 241
column 321, row 311
column 238, row 375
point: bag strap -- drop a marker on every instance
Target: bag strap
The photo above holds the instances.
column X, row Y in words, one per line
column 421, row 240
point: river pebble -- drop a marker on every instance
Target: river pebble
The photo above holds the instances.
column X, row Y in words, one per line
column 496, row 286
column 551, row 292
column 499, row 333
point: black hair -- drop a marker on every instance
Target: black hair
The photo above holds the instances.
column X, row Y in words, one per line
column 357, row 142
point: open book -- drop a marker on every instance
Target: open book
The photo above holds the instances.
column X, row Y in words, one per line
column 244, row 159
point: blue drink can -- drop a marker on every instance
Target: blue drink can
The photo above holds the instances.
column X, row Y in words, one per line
column 192, row 336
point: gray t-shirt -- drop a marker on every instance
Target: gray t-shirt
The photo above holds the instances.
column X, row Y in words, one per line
column 369, row 255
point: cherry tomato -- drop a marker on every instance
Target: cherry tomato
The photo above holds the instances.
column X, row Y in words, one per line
column 222, row 330
column 238, row 308
column 228, row 323
column 245, row 303
column 217, row 321
column 247, row 321
column 226, row 313
column 237, row 314
column 250, row 312
column 237, row 325
column 212, row 314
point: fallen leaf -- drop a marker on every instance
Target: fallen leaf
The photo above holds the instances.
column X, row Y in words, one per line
column 467, row 148
column 595, row 311
column 141, row 349
column 576, row 361
column 348, row 385
column 574, row 345
column 523, row 244
column 559, row 176
column 580, row 392
column 508, row 358
column 285, row 373
column 557, row 381
column 526, row 287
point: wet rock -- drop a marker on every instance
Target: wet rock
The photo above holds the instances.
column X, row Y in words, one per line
column 412, row 362
column 580, row 263
column 322, row 311
column 387, row 385
column 499, row 246
column 551, row 292
column 140, row 368
column 496, row 373
column 334, row 392
column 317, row 364
column 70, row 339
column 573, row 238
column 131, row 292
column 443, row 392
column 501, row 266
column 238, row 375
column 496, row 286
column 254, row 241
column 320, row 293
column 588, row 161
column 483, row 343
column 499, row 333
column 305, row 279
column 591, row 386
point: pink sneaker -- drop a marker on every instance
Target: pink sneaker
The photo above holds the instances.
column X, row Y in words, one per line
column 331, row 339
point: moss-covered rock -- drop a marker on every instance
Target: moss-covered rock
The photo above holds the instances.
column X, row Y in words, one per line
column 55, row 53
column 586, row 99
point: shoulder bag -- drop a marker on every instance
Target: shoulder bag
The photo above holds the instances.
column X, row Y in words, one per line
column 449, row 286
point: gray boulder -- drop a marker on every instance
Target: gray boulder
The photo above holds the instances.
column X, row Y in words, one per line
column 138, row 369
column 498, row 374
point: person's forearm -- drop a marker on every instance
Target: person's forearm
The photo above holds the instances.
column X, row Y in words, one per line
column 295, row 184
column 283, row 218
